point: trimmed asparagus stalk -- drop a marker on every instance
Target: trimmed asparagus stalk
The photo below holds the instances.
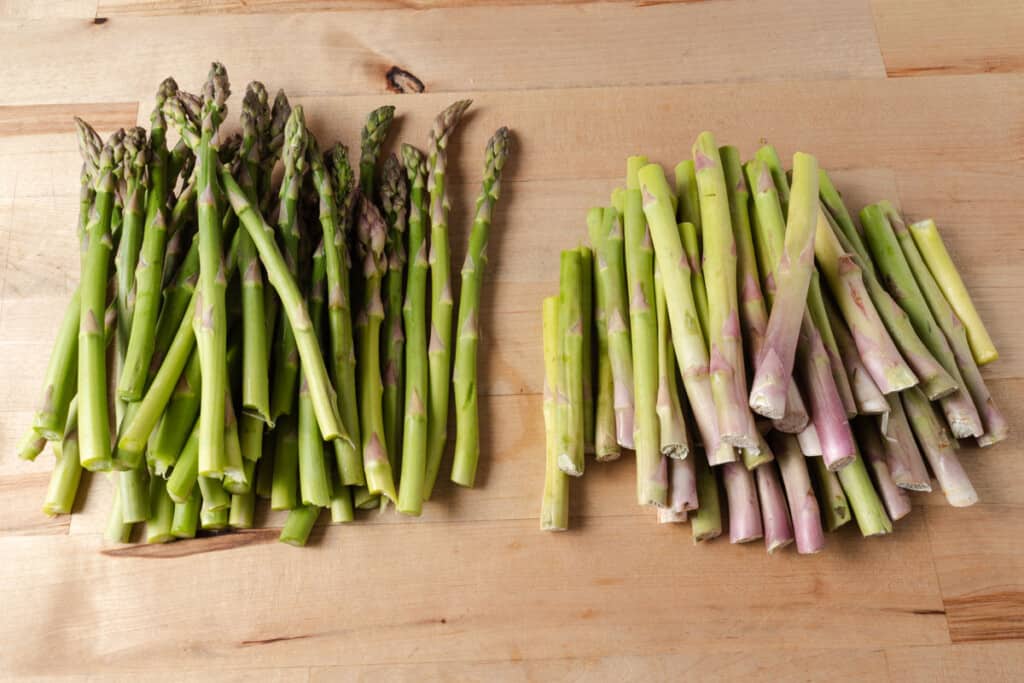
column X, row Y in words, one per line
column 372, row 235
column 896, row 499
column 803, row 505
column 832, row 200
column 607, row 240
column 933, row 251
column 961, row 415
column 285, row 484
column 735, row 424
column 868, row 510
column 67, row 470
column 178, row 303
column 414, row 433
column 818, row 310
column 117, row 530
column 314, row 487
column 93, row 412
column 570, row 450
column 906, row 465
column 182, row 481
column 587, row 325
column 299, row 524
column 394, row 194
column 186, row 516
column 439, row 349
column 770, row 158
column 682, row 487
column 374, row 132
column 651, row 465
column 778, row 529
column 741, row 495
column 606, row 445
column 994, row 424
column 834, row 506
column 243, row 505
column 554, row 512
column 134, row 487
column 706, row 521
column 868, row 399
column 60, row 384
column 938, row 449
column 464, row 377
column 675, row 442
column 342, row 510
column 161, row 513
column 683, row 313
column 172, row 432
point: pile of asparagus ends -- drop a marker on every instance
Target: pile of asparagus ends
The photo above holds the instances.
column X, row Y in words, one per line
column 200, row 388
column 740, row 332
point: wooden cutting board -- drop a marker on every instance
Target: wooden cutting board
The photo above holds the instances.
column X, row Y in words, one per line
column 920, row 102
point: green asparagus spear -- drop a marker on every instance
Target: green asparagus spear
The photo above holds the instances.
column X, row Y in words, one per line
column 394, row 195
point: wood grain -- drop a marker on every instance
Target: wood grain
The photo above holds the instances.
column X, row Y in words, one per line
column 994, row 662
column 600, row 44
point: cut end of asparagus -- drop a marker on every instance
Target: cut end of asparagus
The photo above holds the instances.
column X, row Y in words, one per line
column 567, row 465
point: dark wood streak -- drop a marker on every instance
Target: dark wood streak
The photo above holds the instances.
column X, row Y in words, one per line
column 197, row 546
column 271, row 641
column 997, row 615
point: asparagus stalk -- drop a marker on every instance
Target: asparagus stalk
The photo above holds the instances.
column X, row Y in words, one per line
column 342, row 510
column 688, row 197
column 414, row 433
column 778, row 529
column 587, row 325
column 149, row 273
column 169, row 438
column 994, row 424
column 961, row 415
column 177, row 301
column 938, row 449
column 182, row 480
column 60, row 384
column 186, row 516
column 933, row 251
column 682, row 488
column 683, row 313
column 818, row 310
column 339, row 310
column 181, row 239
column 134, row 487
column 93, row 412
column 570, row 334
column 372, row 138
column 464, row 379
column 896, row 500
column 675, row 442
column 651, row 465
column 706, row 520
column 117, row 530
column 935, row 381
column 770, row 158
column 867, row 398
column 834, row 506
column 906, row 465
column 213, row 520
column 735, row 424
column 285, row 484
column 31, row 445
column 371, row 233
column 741, row 495
column 832, row 200
column 161, row 513
column 868, row 510
column 554, row 512
column 439, row 349
column 803, row 505
column 67, row 470
column 243, row 505
column 324, row 398
column 133, row 197
column 314, row 486
column 394, row 194
column 792, row 277
column 299, row 524
column 607, row 240
column 286, row 362
column 606, row 445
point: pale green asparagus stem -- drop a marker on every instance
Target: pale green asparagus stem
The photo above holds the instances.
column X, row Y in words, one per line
column 67, row 470
column 587, row 324
column 867, row 398
column 161, row 513
column 554, row 511
column 818, row 310
column 439, row 350
column 675, row 442
column 706, row 520
column 570, row 325
column 938, row 448
column 171, row 433
column 606, row 446
column 186, row 516
column 61, row 380
column 834, row 507
column 299, row 524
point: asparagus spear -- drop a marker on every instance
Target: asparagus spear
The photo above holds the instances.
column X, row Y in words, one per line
column 896, row 500
column 324, row 398
column 371, row 233
column 133, row 196
column 570, row 335
column 867, row 398
column 706, row 520
column 962, row 416
column 67, row 470
column 735, row 423
column 439, row 350
column 186, row 516
column 770, row 158
column 607, row 240
column 587, row 326
column 374, row 132
column 464, row 376
column 161, row 513
column 818, row 310
column 339, row 313
column 803, row 505
column 688, row 197
column 792, row 278
column 148, row 276
column 778, row 529
column 61, row 375
column 117, row 531
column 868, row 509
column 901, row 453
column 682, row 489
column 31, row 445
column 554, row 512
column 933, row 251
column 651, row 465
column 414, row 433
column 683, row 313
column 741, row 495
column 93, row 420
column 314, row 487
column 299, row 525
column 994, row 424
column 394, row 195
column 606, row 445
column 938, row 449
column 285, row 484
column 834, row 506
column 675, row 442
column 181, row 483
column 286, row 364
column 243, row 505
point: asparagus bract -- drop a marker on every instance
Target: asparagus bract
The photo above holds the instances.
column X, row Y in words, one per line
column 375, row 130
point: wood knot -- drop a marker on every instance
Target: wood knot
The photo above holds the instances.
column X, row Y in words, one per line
column 401, row 81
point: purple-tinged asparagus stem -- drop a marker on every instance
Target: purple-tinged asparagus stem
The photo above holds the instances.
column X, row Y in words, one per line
column 735, row 425
column 869, row 400
column 809, row 441
column 741, row 495
column 683, row 312
column 901, row 453
column 993, row 421
column 778, row 530
column 803, row 505
column 609, row 256
column 792, row 278
column 819, row 316
column 675, row 441
column 682, row 485
column 670, row 516
column 937, row 445
column 827, row 412
column 896, row 499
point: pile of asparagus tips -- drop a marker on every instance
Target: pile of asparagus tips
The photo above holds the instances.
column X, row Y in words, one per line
column 198, row 387
column 741, row 332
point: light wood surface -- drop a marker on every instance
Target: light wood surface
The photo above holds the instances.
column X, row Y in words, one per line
column 921, row 102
